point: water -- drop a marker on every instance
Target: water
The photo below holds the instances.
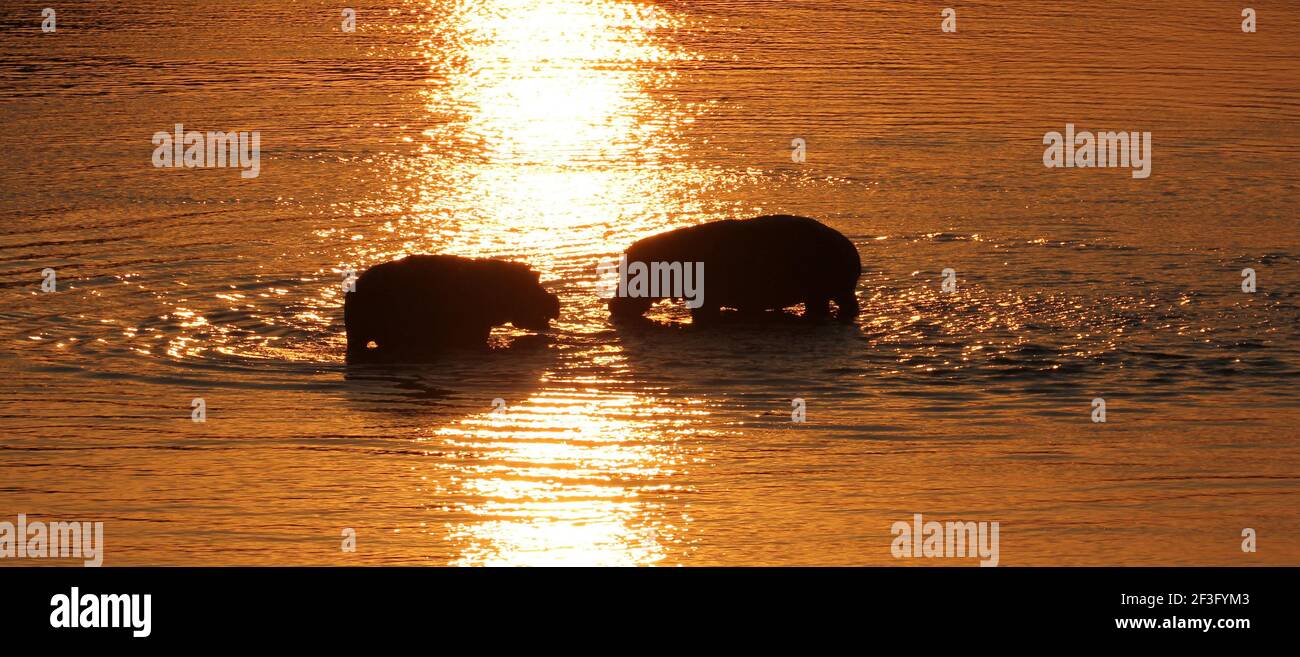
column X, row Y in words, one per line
column 557, row 133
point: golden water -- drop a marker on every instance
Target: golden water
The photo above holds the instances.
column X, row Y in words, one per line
column 557, row 133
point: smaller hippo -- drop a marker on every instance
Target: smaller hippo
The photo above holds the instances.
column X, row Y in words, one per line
column 751, row 265
column 420, row 305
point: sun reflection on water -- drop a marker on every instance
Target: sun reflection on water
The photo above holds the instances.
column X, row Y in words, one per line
column 551, row 145
column 553, row 138
column 552, row 83
column 557, row 480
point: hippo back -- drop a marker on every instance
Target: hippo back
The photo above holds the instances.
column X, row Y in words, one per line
column 770, row 261
column 423, row 303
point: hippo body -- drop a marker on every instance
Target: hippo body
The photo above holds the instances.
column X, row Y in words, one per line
column 753, row 265
column 421, row 305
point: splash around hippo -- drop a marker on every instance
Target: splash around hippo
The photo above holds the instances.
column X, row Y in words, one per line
column 750, row 265
column 420, row 306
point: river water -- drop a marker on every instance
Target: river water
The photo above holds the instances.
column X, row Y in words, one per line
column 559, row 132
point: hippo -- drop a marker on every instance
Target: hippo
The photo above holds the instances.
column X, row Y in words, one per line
column 752, row 265
column 421, row 305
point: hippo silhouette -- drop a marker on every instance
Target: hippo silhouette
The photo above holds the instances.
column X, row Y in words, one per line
column 751, row 265
column 421, row 305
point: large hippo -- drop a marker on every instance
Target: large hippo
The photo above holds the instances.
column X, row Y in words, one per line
column 751, row 265
column 420, row 305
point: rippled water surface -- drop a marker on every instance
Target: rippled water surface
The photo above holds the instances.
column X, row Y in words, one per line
column 557, row 133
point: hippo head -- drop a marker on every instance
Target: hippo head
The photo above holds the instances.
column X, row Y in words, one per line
column 532, row 307
column 536, row 311
column 629, row 307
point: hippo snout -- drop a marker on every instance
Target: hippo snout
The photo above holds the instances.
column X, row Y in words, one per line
column 547, row 309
